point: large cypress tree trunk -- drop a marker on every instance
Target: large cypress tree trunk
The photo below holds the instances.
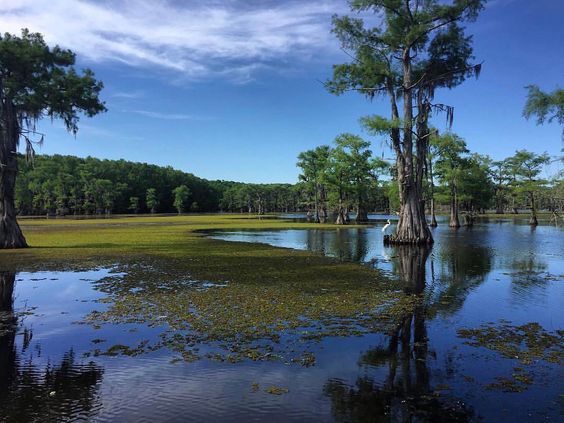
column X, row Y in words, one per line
column 10, row 233
column 412, row 227
column 533, row 221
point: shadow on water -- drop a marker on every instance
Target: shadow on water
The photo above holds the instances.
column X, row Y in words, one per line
column 405, row 392
column 32, row 392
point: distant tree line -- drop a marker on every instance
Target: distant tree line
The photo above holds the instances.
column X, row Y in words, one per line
column 66, row 185
column 334, row 181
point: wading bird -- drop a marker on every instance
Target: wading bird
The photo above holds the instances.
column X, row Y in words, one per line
column 385, row 228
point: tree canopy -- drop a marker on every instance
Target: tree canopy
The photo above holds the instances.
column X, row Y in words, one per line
column 416, row 48
column 36, row 81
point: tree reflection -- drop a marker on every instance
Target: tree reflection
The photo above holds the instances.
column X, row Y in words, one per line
column 30, row 392
column 461, row 267
column 344, row 244
column 529, row 278
column 405, row 394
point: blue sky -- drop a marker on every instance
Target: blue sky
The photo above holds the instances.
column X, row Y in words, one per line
column 230, row 89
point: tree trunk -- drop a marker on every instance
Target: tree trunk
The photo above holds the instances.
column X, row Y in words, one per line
column 412, row 226
column 10, row 233
column 454, row 221
column 316, row 216
column 323, row 215
column 341, row 218
column 499, row 205
column 533, row 221
column 361, row 214
column 341, row 214
column 469, row 219
column 434, row 223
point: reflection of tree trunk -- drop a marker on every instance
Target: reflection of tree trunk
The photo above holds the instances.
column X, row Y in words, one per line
column 7, row 337
column 411, row 266
column 420, row 349
column 7, row 282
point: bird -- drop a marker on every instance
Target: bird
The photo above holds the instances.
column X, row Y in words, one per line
column 385, row 228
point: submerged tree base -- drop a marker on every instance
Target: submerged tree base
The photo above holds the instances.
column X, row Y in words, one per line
column 395, row 240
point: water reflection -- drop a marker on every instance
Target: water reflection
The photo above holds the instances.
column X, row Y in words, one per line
column 338, row 244
column 404, row 393
column 35, row 392
column 457, row 268
column 459, row 262
column 255, row 330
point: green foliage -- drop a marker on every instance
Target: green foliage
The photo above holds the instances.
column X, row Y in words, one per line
column 377, row 125
column 41, row 81
column 526, row 166
column 463, row 175
column 68, row 185
column 314, row 165
column 181, row 197
column 415, row 49
column 341, row 177
column 134, row 204
column 449, row 150
column 152, row 200
column 545, row 106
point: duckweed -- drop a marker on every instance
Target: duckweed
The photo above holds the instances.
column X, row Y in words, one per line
column 526, row 343
column 208, row 298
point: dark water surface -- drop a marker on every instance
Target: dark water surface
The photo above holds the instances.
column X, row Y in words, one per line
column 59, row 362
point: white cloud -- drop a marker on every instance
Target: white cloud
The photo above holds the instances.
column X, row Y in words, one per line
column 129, row 94
column 229, row 38
column 168, row 116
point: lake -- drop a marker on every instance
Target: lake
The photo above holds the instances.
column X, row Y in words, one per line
column 483, row 340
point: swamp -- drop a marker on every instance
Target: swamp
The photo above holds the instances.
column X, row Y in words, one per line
column 294, row 211
column 242, row 318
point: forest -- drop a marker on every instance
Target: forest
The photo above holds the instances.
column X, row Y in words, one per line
column 333, row 181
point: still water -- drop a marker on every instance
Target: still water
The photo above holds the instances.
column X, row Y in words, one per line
column 59, row 362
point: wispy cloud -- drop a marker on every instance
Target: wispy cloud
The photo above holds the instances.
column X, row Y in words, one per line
column 128, row 94
column 168, row 116
column 195, row 38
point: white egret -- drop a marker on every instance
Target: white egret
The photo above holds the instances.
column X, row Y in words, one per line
column 385, row 228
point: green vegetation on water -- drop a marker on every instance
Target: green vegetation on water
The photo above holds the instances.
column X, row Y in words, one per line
column 236, row 299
